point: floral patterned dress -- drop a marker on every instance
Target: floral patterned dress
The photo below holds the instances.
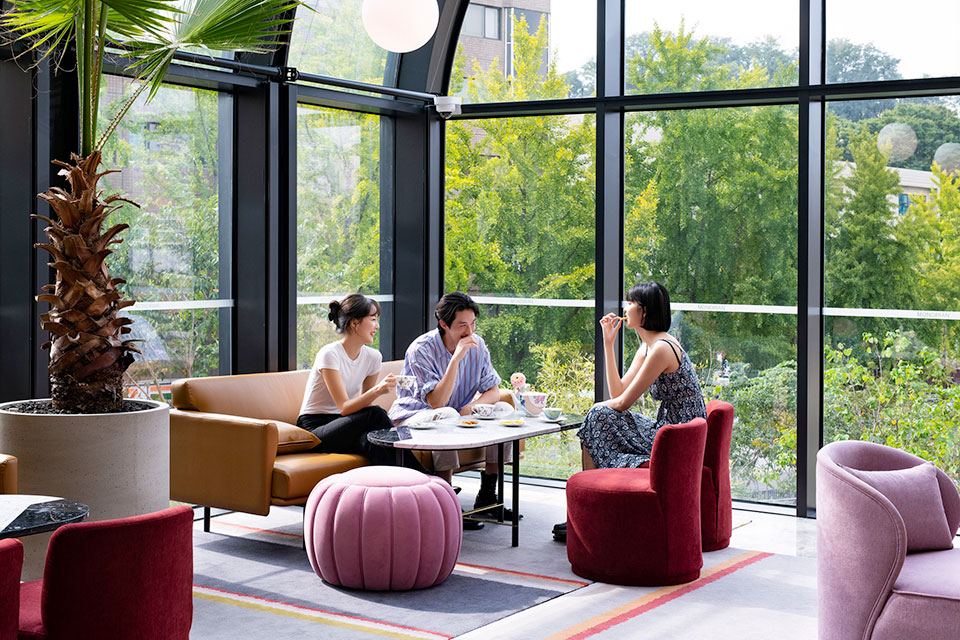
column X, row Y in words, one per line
column 625, row 438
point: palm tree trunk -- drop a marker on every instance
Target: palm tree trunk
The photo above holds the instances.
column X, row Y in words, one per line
column 88, row 354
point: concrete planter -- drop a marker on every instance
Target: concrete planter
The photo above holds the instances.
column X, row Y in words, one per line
column 117, row 463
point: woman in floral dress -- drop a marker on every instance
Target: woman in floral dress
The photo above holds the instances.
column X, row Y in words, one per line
column 614, row 436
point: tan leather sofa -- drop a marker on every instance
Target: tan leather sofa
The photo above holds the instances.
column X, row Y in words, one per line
column 8, row 474
column 234, row 443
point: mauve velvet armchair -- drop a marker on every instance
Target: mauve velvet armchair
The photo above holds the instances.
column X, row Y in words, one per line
column 870, row 586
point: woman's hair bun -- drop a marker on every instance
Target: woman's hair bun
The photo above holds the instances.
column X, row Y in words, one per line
column 334, row 314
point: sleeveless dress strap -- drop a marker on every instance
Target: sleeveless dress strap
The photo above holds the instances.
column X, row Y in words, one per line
column 672, row 348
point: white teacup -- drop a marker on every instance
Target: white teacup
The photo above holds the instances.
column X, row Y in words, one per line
column 483, row 410
column 552, row 413
column 535, row 401
column 406, row 382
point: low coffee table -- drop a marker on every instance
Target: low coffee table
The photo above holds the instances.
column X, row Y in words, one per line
column 24, row 515
column 448, row 435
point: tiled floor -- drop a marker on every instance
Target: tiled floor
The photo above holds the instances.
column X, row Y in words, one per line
column 775, row 533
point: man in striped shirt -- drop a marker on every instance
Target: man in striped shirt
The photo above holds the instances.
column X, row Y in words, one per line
column 452, row 366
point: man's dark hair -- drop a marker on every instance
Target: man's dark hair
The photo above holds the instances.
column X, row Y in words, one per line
column 655, row 300
column 452, row 303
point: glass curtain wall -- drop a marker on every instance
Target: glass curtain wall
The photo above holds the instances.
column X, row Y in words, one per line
column 892, row 259
column 168, row 152
column 520, row 216
column 338, row 218
column 328, row 39
column 710, row 211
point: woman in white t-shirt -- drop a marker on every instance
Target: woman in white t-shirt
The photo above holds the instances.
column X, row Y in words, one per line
column 338, row 400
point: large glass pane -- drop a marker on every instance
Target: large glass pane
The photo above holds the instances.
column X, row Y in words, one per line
column 168, row 153
column 338, row 215
column 548, row 47
column 883, row 40
column 181, row 343
column 691, row 45
column 711, row 212
column 519, row 237
column 892, row 255
column 330, row 40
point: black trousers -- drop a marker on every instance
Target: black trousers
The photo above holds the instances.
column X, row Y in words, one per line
column 348, row 434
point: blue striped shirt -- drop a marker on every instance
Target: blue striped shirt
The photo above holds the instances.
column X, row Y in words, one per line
column 427, row 359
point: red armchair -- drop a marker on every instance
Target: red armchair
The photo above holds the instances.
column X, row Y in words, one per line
column 120, row 579
column 641, row 526
column 716, row 508
column 11, row 562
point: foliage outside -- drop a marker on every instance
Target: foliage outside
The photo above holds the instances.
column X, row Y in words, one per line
column 710, row 211
column 89, row 346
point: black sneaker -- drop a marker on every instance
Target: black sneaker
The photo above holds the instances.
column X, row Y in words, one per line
column 494, row 511
column 560, row 532
column 472, row 525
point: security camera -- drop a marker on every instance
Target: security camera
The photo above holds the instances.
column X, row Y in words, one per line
column 447, row 106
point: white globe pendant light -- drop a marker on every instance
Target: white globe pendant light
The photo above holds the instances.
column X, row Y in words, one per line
column 400, row 25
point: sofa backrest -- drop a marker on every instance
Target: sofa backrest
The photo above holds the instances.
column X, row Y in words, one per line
column 264, row 396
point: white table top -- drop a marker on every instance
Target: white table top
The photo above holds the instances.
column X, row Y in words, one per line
column 449, row 435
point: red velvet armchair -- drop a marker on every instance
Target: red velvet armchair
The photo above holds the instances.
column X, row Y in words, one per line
column 120, row 579
column 11, row 563
column 641, row 526
column 716, row 507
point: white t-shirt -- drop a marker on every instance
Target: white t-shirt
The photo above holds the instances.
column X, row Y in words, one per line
column 317, row 398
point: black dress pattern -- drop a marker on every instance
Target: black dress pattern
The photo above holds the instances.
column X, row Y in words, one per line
column 625, row 438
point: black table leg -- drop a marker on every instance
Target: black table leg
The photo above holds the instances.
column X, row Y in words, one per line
column 516, row 492
column 399, row 457
column 500, row 479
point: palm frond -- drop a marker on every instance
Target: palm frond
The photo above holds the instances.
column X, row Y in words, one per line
column 232, row 25
column 151, row 16
column 48, row 25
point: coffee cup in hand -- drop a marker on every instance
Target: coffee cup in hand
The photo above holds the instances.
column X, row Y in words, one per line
column 406, row 382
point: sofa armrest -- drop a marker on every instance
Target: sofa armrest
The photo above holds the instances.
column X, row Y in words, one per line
column 8, row 474
column 222, row 461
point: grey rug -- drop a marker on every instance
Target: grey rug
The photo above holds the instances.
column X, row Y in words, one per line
column 253, row 580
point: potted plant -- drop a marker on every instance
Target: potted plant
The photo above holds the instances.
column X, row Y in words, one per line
column 85, row 442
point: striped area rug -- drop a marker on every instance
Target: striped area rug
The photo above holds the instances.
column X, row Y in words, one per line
column 739, row 595
column 253, row 580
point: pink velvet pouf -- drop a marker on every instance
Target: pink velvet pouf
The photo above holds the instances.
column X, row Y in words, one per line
column 383, row 529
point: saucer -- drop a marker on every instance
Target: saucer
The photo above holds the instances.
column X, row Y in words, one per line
column 423, row 425
column 474, row 416
column 514, row 422
column 468, row 423
column 552, row 420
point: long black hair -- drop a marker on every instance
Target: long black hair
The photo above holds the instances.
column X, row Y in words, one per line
column 655, row 300
column 355, row 306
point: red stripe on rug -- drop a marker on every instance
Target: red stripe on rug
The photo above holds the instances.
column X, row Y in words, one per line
column 667, row 597
column 325, row 611
column 576, row 583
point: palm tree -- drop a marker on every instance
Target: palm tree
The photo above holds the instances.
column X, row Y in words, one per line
column 88, row 350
